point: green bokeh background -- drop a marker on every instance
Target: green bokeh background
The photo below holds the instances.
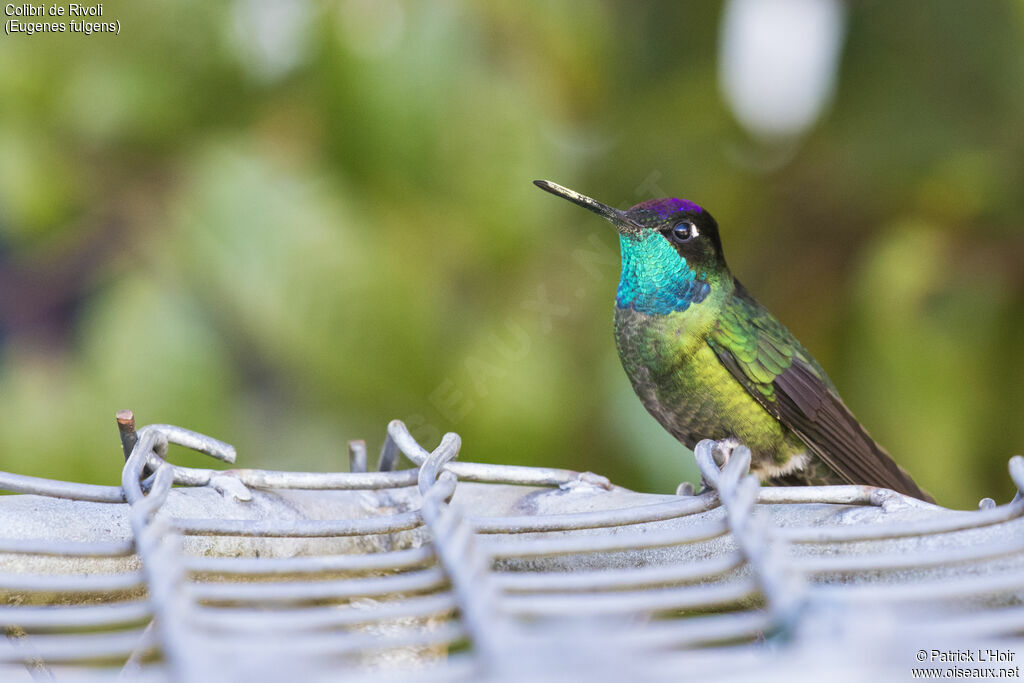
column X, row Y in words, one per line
column 287, row 244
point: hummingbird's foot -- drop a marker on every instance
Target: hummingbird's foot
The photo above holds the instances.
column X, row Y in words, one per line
column 723, row 450
column 685, row 489
column 712, row 458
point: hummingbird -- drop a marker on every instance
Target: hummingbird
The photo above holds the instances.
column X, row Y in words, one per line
column 708, row 361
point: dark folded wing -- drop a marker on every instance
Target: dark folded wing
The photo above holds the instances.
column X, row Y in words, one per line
column 777, row 371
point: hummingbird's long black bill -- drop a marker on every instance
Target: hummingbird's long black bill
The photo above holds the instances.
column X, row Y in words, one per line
column 618, row 218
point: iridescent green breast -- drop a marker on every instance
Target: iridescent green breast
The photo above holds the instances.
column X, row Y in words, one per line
column 684, row 386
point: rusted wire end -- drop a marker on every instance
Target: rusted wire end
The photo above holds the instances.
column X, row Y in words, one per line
column 357, row 456
column 126, row 425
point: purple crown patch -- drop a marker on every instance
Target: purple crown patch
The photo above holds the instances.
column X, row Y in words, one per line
column 664, row 208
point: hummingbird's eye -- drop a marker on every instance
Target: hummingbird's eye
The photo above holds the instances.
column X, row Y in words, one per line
column 684, row 232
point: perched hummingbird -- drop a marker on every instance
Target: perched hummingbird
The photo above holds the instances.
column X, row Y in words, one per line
column 710, row 362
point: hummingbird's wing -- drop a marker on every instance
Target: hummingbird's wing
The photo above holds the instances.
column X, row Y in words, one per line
column 781, row 375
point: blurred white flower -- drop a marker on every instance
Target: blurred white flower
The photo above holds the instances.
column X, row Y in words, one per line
column 779, row 61
column 270, row 35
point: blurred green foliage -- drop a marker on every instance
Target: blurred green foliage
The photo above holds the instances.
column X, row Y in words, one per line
column 284, row 224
